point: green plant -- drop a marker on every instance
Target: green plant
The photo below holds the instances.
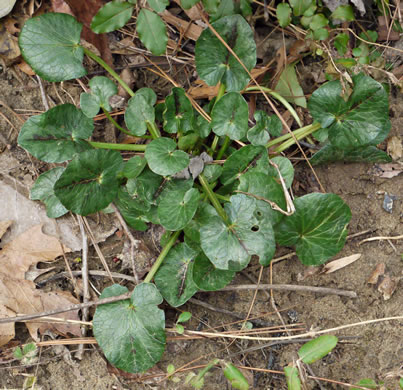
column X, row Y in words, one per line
column 28, row 354
column 217, row 215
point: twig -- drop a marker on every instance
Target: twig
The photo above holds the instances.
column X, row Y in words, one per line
column 43, row 95
column 292, row 287
column 381, row 238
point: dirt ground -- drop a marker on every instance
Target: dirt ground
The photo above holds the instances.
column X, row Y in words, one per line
column 368, row 351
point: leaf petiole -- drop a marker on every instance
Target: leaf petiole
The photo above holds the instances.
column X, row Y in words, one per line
column 107, row 145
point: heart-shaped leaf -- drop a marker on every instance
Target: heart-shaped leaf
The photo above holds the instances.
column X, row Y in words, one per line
column 132, row 209
column 318, row 228
column 134, row 166
column 152, row 32
column 215, row 64
column 360, row 121
column 145, row 186
column 265, row 125
column 148, row 94
column 316, row 349
column 102, row 89
column 89, row 183
column 178, row 114
column 239, row 161
column 138, row 113
column 174, row 277
column 230, row 116
column 177, row 208
column 163, row 159
column 364, row 154
column 229, row 247
column 113, row 15
column 50, row 44
column 207, row 277
column 56, row 135
column 131, row 333
column 43, row 190
column 158, row 5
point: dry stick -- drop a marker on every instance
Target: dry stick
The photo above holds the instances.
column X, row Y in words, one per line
column 264, row 94
column 381, row 238
column 43, row 95
column 133, row 242
column 92, row 273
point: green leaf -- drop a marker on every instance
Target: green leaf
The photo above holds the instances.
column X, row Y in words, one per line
column 177, row 208
column 283, row 12
column 148, row 94
column 230, row 247
column 158, row 5
column 285, row 167
column 187, row 4
column 301, row 6
column 174, row 277
column 212, row 172
column 211, row 6
column 184, row 317
column 288, row 87
column 292, row 378
column 230, row 116
column 347, row 62
column 134, row 166
column 265, row 187
column 360, row 121
column 318, row 228
column 345, row 13
column 50, row 44
column 152, row 32
column 112, row 16
column 367, row 383
column 132, row 209
column 188, row 141
column 145, row 186
column 138, row 113
column 43, row 190
column 56, row 135
column 213, row 61
column 341, row 42
column 179, row 329
column 163, row 159
column 265, row 125
column 239, row 161
column 369, row 35
column 321, row 34
column 202, row 127
column 89, row 182
column 363, row 154
column 235, row 376
column 401, row 383
column 316, row 349
column 318, row 21
column 131, row 333
column 178, row 114
column 102, row 89
column 207, row 277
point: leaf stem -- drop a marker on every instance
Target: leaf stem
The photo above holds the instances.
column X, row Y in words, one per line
column 106, row 145
column 116, row 124
column 101, row 62
column 153, row 129
column 220, row 94
column 223, row 148
column 162, row 256
column 306, row 130
column 280, row 99
column 213, row 198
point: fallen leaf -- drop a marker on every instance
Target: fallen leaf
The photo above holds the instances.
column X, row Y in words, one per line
column 394, row 147
column 4, row 225
column 376, row 273
column 19, row 296
column 288, row 86
column 9, row 49
column 387, row 287
column 340, row 263
column 127, row 76
column 24, row 67
column 190, row 30
column 384, row 32
column 388, row 171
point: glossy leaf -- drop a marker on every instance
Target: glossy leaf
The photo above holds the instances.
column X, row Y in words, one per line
column 207, row 277
column 158, row 5
column 56, row 135
column 139, row 111
column 133, row 209
column 288, row 86
column 360, row 121
column 316, row 349
column 230, row 247
column 152, row 31
column 163, row 159
column 212, row 172
column 131, row 333
column 50, row 44
column 112, row 16
column 102, row 89
column 265, row 125
column 178, row 114
column 239, row 161
column 145, row 186
column 230, row 116
column 285, row 167
column 292, row 378
column 318, row 228
column 174, row 277
column 134, row 166
column 43, row 190
column 329, row 153
column 213, row 61
column 89, row 182
column 177, row 208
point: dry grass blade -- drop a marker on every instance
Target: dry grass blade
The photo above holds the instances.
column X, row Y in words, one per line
column 340, row 263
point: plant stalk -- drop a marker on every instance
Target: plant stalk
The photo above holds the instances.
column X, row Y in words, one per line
column 116, row 124
column 298, row 134
column 213, row 198
column 220, row 94
column 101, row 62
column 106, row 145
column 280, row 99
column 153, row 129
column 162, row 256
column 223, row 148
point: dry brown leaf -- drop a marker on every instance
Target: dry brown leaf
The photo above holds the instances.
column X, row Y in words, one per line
column 387, row 171
column 190, row 30
column 127, row 76
column 387, row 287
column 4, row 225
column 376, row 273
column 9, row 49
column 394, row 147
column 24, row 67
column 19, row 296
column 340, row 263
